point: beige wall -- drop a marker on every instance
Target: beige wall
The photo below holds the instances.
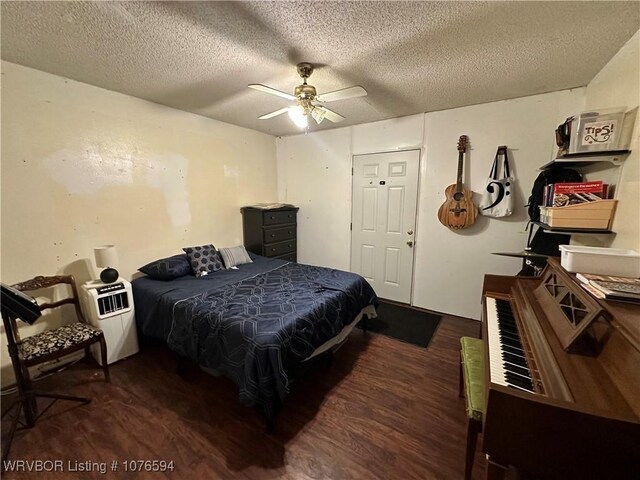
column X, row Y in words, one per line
column 83, row 166
column 451, row 264
column 314, row 172
column 618, row 85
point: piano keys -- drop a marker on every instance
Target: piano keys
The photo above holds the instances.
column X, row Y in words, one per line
column 562, row 379
column 509, row 366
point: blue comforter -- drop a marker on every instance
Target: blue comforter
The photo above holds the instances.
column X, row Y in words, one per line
column 255, row 324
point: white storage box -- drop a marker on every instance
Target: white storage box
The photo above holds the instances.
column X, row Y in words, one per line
column 616, row 262
column 598, row 131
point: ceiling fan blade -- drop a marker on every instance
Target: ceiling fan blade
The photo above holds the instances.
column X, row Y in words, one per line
column 267, row 116
column 272, row 91
column 343, row 94
column 331, row 115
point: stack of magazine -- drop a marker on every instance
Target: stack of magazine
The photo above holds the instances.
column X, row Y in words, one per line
column 605, row 287
column 563, row 194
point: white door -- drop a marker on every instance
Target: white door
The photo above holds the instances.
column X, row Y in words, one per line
column 385, row 194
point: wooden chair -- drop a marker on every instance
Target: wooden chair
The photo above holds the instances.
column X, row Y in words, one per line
column 471, row 386
column 61, row 341
column 42, row 347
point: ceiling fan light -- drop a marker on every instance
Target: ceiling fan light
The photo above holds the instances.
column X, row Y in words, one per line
column 298, row 116
column 318, row 114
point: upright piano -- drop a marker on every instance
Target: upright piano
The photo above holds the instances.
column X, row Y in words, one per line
column 562, row 379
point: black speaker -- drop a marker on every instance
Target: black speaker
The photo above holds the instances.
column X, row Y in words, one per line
column 109, row 275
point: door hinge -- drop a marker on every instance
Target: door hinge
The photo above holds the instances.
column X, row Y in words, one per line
column 351, row 226
column 352, row 171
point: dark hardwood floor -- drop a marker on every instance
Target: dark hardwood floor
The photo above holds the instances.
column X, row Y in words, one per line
column 383, row 410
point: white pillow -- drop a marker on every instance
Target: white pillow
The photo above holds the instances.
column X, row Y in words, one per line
column 234, row 256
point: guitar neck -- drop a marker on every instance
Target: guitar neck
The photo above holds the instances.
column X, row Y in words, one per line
column 459, row 177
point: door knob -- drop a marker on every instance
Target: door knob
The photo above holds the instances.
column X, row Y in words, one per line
column 410, row 243
column 410, row 232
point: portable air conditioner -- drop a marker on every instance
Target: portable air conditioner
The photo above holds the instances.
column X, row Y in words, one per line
column 109, row 307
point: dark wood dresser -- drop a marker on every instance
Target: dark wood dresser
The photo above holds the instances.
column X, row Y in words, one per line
column 270, row 232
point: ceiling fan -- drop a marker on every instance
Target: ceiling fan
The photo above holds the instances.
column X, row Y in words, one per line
column 308, row 102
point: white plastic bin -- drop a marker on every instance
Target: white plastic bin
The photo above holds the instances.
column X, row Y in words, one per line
column 598, row 131
column 616, row 262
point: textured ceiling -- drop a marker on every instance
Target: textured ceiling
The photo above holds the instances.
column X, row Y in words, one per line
column 411, row 56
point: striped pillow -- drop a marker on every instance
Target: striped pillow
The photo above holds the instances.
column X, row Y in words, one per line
column 234, row 256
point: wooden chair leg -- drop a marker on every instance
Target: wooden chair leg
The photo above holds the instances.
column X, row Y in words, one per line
column 31, row 404
column 103, row 356
column 473, row 428
column 87, row 355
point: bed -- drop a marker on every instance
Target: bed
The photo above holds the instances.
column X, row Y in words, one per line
column 255, row 324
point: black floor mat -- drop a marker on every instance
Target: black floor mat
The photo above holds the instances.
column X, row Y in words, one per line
column 404, row 323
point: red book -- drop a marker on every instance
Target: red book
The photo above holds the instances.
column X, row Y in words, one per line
column 580, row 192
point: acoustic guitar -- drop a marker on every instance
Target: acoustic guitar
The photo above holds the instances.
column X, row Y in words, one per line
column 458, row 210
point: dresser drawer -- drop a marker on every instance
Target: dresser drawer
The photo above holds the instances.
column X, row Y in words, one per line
column 290, row 257
column 272, row 235
column 280, row 248
column 277, row 218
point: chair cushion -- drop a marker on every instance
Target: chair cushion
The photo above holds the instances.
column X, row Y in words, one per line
column 473, row 373
column 56, row 340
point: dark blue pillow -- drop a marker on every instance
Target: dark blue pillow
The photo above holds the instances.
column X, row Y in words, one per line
column 168, row 268
column 204, row 259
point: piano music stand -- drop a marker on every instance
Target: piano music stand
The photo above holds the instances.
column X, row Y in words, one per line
column 16, row 305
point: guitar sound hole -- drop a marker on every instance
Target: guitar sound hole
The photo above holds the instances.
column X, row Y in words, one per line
column 458, row 196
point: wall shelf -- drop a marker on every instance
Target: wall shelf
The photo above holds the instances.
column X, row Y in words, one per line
column 615, row 157
column 573, row 231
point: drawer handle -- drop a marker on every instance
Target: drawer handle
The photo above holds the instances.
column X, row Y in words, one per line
column 289, row 245
column 273, row 235
column 290, row 216
column 273, row 249
column 272, row 217
column 290, row 232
